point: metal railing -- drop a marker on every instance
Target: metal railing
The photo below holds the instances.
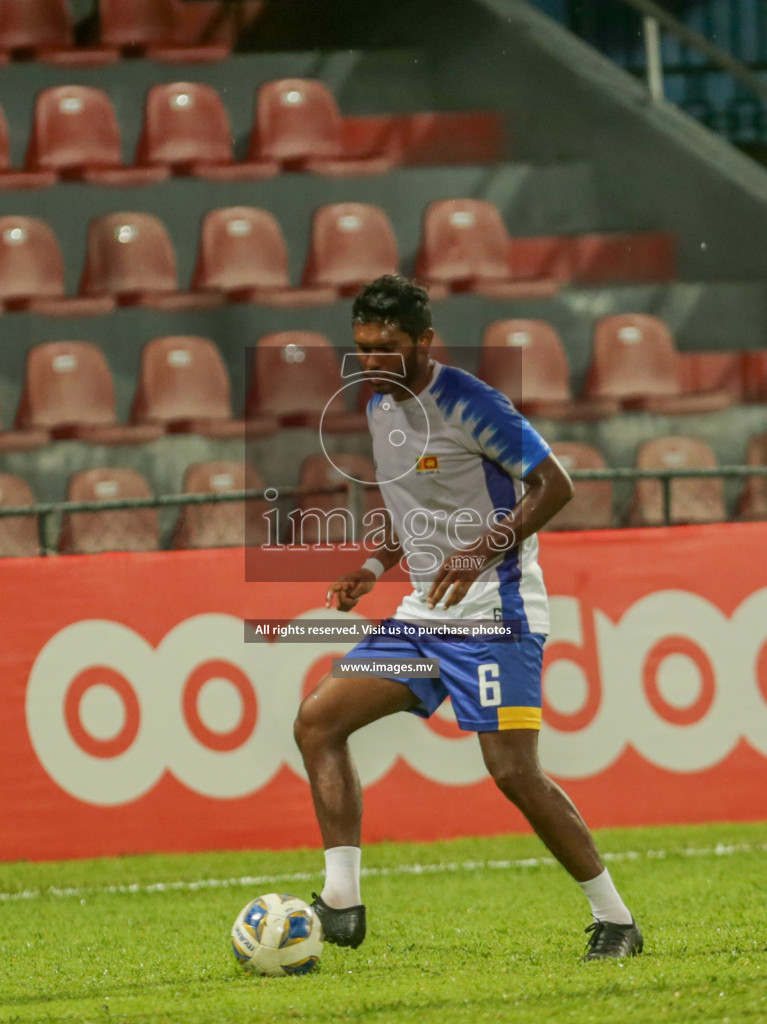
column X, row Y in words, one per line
column 695, row 57
column 667, row 477
column 46, row 511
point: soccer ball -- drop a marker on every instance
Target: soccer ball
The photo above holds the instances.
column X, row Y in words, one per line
column 277, row 934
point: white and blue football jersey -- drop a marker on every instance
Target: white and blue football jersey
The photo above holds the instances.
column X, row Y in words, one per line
column 450, row 463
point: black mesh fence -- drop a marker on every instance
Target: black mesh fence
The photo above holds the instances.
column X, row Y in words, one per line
column 323, row 516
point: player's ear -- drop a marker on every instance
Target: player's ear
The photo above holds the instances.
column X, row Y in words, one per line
column 426, row 338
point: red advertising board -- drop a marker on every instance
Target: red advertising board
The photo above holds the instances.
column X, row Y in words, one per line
column 136, row 718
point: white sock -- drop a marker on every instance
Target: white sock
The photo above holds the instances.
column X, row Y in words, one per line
column 342, row 877
column 606, row 904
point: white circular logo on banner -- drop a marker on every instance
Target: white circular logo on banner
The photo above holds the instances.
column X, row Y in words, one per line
column 108, row 714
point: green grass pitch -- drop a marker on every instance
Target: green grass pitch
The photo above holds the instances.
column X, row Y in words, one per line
column 469, row 930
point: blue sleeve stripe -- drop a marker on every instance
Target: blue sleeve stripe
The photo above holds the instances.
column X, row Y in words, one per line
column 501, row 432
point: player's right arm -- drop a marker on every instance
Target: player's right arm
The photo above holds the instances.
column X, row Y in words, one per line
column 348, row 589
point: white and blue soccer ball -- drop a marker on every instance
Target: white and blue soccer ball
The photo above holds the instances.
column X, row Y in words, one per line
column 277, row 934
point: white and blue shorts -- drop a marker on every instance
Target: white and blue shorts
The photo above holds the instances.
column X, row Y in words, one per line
column 493, row 684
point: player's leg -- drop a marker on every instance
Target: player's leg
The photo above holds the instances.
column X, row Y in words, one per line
column 496, row 692
column 327, row 717
column 511, row 757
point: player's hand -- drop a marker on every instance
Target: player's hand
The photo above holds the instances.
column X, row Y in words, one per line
column 454, row 578
column 350, row 588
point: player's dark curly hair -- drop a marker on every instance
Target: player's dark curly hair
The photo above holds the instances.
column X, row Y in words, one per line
column 394, row 299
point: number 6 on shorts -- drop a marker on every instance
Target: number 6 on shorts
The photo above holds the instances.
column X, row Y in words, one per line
column 489, row 684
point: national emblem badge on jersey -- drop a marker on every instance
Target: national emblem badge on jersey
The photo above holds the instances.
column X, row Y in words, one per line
column 427, row 464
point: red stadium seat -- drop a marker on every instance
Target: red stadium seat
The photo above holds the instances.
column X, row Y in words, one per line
column 755, row 376
column 429, row 138
column 375, row 133
column 75, row 135
column 753, row 498
column 465, row 247
column 333, row 518
column 242, row 253
column 69, row 392
column 635, row 360
column 540, row 258
column 154, row 29
column 42, row 29
column 444, row 137
column 184, row 386
column 624, row 256
column 526, row 360
column 634, row 356
column 23, row 440
column 19, row 536
column 131, row 259
column 592, row 505
column 224, row 523
column 462, row 241
column 186, row 128
column 13, row 178
column 351, row 243
column 702, row 372
column 31, row 265
column 297, row 378
column 32, row 271
column 298, row 124
column 134, row 529
column 692, row 500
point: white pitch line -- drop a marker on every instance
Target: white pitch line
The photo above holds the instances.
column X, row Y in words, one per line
column 446, row 867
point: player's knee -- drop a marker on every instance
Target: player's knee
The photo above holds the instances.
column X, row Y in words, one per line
column 517, row 778
column 305, row 727
column 313, row 724
column 299, row 730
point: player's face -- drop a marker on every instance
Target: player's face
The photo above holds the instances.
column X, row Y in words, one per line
column 386, row 350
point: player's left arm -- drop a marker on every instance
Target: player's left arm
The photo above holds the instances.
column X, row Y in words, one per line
column 548, row 489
